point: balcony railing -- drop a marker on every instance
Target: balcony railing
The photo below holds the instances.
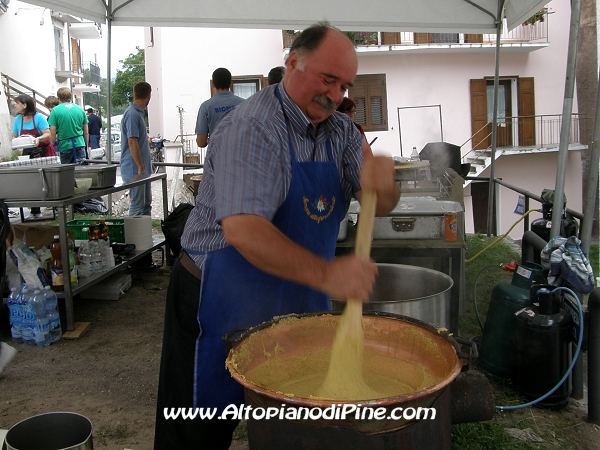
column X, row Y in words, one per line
column 86, row 73
column 542, row 131
column 91, row 73
column 534, row 30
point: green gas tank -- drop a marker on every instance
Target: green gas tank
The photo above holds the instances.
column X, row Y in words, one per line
column 497, row 352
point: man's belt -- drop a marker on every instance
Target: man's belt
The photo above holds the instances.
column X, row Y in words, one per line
column 188, row 263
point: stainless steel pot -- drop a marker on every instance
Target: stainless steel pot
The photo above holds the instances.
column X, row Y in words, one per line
column 51, row 431
column 410, row 291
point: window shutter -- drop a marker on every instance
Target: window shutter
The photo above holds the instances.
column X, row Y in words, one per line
column 474, row 38
column 377, row 103
column 422, row 38
column 358, row 93
column 390, row 38
column 369, row 94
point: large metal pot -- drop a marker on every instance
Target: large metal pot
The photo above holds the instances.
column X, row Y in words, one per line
column 402, row 338
column 411, row 291
column 51, row 431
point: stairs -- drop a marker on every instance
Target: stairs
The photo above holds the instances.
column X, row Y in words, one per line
column 483, row 158
column 481, row 161
column 13, row 88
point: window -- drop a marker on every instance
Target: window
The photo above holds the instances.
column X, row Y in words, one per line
column 369, row 94
column 59, row 51
column 246, row 86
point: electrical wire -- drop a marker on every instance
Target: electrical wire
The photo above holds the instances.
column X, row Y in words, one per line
column 500, row 237
column 569, row 369
column 475, row 293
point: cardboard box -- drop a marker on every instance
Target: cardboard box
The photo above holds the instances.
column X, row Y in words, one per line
column 35, row 235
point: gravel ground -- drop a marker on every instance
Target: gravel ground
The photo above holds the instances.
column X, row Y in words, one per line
column 120, row 200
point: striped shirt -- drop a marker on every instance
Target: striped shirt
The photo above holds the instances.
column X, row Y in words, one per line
column 248, row 169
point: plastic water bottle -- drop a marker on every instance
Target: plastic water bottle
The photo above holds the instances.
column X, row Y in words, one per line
column 52, row 315
column 414, row 156
column 104, row 247
column 85, row 260
column 28, row 317
column 72, row 265
column 40, row 330
column 96, row 261
column 16, row 313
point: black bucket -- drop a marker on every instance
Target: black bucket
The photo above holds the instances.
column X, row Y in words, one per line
column 51, row 431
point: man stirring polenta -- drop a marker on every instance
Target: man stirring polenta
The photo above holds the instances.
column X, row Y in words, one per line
column 279, row 174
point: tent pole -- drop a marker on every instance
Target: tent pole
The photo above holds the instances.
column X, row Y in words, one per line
column 563, row 153
column 109, row 87
column 492, row 184
column 565, row 130
column 109, row 144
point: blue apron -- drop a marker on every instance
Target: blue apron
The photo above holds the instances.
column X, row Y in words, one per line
column 234, row 293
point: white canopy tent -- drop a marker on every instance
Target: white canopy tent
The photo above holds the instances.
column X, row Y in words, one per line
column 473, row 16
column 465, row 16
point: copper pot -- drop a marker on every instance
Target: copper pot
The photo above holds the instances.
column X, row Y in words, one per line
column 392, row 335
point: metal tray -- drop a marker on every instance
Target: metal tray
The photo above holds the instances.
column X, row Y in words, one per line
column 102, row 176
column 37, row 182
column 415, row 220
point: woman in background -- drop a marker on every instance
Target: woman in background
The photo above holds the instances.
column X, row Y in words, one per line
column 29, row 122
column 348, row 107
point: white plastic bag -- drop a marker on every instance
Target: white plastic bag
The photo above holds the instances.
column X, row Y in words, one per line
column 28, row 265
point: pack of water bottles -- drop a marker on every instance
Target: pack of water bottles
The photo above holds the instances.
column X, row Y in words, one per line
column 34, row 316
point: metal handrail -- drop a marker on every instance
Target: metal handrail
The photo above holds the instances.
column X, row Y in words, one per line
column 14, row 88
column 528, row 196
column 546, row 130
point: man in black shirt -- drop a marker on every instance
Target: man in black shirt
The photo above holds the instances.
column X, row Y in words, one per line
column 94, row 127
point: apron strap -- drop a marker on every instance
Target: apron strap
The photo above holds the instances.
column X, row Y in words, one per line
column 287, row 125
column 74, row 149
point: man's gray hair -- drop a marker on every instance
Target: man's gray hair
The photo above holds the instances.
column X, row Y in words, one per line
column 310, row 39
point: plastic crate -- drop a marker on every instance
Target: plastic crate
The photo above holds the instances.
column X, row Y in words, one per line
column 116, row 229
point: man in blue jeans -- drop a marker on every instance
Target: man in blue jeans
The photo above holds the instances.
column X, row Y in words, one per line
column 135, row 151
column 94, row 128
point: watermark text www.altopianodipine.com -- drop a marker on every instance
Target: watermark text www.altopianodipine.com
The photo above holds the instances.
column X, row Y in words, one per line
column 339, row 411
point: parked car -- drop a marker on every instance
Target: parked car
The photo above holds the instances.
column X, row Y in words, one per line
column 115, row 137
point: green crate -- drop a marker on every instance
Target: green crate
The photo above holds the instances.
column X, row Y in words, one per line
column 116, row 229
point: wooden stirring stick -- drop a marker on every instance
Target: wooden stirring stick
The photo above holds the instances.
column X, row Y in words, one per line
column 344, row 376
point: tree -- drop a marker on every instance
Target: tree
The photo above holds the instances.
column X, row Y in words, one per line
column 587, row 85
column 133, row 71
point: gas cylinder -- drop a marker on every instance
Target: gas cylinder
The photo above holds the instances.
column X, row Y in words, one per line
column 544, row 348
column 497, row 357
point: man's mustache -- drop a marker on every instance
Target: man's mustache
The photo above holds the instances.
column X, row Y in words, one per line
column 324, row 102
